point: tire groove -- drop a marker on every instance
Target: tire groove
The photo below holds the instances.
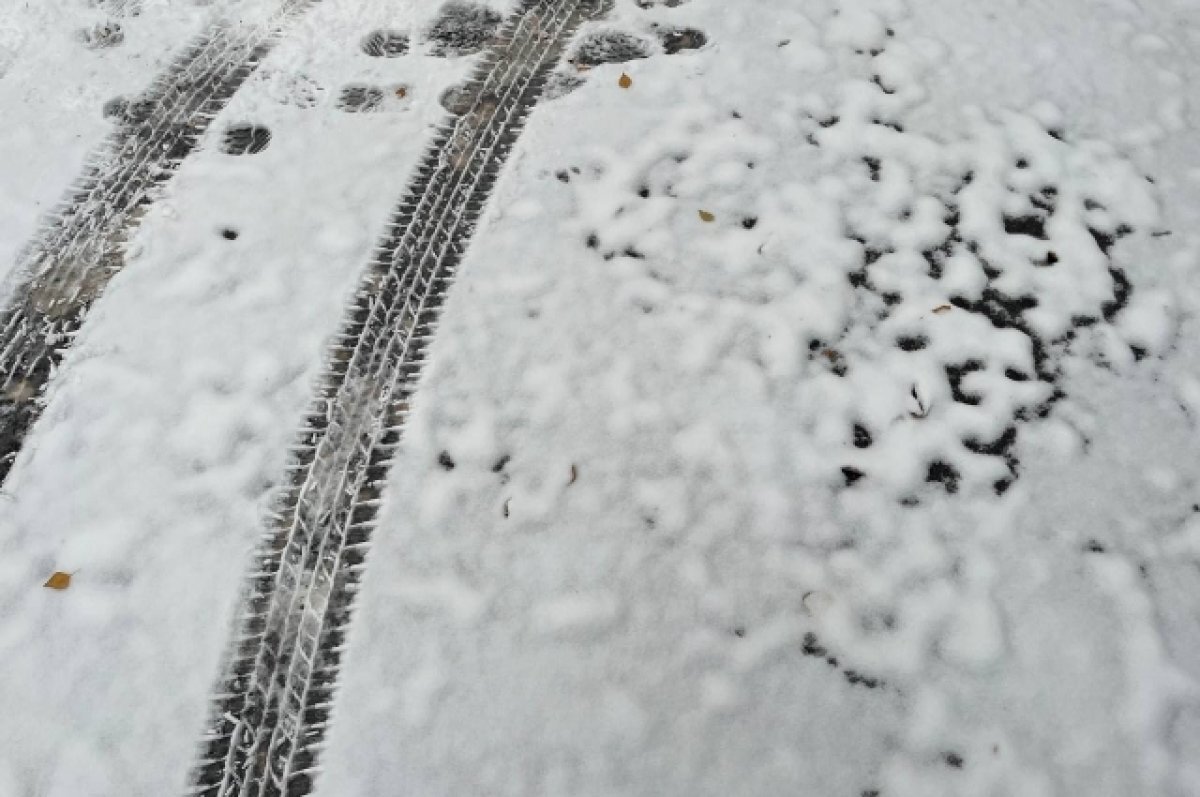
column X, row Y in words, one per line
column 270, row 716
column 339, row 489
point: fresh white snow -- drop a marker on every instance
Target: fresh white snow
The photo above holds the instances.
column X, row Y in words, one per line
column 713, row 515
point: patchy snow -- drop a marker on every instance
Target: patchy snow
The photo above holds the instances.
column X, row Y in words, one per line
column 814, row 415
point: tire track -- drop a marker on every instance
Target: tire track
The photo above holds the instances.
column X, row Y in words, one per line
column 82, row 246
column 275, row 695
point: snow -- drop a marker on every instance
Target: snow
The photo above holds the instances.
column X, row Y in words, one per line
column 683, row 506
column 170, row 420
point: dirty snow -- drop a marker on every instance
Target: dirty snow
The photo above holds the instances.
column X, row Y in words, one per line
column 815, row 415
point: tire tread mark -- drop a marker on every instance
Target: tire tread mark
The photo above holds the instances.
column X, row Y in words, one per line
column 272, row 706
column 82, row 244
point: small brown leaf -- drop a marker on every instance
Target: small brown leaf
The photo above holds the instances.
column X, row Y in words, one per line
column 625, row 82
column 707, row 217
column 574, row 475
column 401, row 92
column 59, row 580
column 942, row 308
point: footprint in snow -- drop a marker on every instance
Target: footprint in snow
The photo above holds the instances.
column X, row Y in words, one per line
column 385, row 44
column 462, row 28
column 619, row 47
column 245, row 140
column 609, row 47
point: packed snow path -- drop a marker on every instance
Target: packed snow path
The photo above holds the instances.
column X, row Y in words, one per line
column 270, row 718
column 67, row 268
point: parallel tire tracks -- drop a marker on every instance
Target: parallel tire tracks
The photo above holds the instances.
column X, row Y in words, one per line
column 62, row 273
column 274, row 698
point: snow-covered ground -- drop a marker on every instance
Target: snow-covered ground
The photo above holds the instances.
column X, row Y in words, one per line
column 815, row 414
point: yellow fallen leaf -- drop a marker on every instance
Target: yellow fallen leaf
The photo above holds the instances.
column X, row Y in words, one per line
column 625, row 82
column 705, row 216
column 942, row 308
column 59, row 580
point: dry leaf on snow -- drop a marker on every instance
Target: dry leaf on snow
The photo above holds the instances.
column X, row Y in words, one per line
column 59, row 580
